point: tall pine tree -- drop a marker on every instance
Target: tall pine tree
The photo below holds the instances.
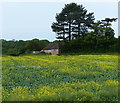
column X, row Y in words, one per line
column 72, row 21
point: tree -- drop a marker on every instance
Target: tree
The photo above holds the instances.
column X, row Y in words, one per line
column 108, row 31
column 104, row 33
column 107, row 22
column 72, row 22
column 21, row 47
column 103, row 28
column 36, row 44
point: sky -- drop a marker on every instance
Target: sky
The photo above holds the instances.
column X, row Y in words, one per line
column 29, row 20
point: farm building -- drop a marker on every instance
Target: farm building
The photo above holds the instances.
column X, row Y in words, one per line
column 51, row 48
column 34, row 52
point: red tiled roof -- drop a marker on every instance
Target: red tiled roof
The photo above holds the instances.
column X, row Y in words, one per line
column 51, row 46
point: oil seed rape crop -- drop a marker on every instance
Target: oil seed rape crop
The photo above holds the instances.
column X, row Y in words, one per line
column 60, row 78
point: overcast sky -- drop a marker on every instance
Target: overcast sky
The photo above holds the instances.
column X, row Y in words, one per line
column 29, row 20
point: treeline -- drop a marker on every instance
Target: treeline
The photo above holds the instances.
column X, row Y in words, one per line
column 78, row 29
column 90, row 44
column 17, row 47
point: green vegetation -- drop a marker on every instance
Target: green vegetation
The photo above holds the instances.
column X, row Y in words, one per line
column 88, row 45
column 79, row 31
column 60, row 78
column 74, row 21
column 14, row 47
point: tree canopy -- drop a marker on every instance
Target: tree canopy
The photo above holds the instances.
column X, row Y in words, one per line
column 73, row 21
column 20, row 47
column 78, row 27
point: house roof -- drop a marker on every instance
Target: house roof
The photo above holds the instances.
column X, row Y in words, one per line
column 51, row 46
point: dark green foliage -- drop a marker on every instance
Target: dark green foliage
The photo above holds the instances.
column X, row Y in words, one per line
column 36, row 44
column 72, row 22
column 81, row 33
column 91, row 43
column 21, row 47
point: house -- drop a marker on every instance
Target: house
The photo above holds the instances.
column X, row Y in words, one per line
column 51, row 48
column 34, row 52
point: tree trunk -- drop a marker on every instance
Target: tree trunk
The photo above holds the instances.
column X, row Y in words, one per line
column 63, row 33
column 78, row 29
column 69, row 31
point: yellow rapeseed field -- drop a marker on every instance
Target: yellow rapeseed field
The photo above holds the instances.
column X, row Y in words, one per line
column 60, row 78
